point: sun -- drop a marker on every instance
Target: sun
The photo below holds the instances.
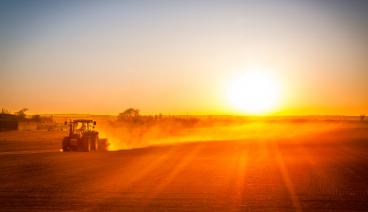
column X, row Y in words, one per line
column 254, row 93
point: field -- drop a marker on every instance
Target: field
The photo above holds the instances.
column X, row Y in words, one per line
column 261, row 166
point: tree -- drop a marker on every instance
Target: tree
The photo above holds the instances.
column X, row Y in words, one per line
column 4, row 111
column 129, row 114
column 21, row 114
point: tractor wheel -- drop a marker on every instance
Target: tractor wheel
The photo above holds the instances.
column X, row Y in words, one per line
column 66, row 147
column 87, row 145
column 103, row 144
column 95, row 142
column 92, row 140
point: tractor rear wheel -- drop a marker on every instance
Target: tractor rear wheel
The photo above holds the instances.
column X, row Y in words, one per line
column 87, row 145
column 95, row 142
column 102, row 144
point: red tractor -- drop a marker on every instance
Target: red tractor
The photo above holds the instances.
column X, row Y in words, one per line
column 82, row 137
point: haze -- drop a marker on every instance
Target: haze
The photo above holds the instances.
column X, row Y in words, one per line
column 177, row 57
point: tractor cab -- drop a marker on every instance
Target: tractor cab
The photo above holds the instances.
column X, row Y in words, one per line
column 79, row 127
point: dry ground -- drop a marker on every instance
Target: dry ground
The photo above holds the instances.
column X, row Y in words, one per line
column 319, row 173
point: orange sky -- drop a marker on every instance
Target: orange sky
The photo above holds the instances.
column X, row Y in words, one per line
column 177, row 58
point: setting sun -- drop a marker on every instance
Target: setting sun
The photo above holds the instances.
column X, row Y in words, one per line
column 254, row 93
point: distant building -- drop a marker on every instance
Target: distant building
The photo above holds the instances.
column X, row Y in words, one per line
column 8, row 122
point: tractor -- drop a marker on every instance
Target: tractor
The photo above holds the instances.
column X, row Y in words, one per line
column 82, row 137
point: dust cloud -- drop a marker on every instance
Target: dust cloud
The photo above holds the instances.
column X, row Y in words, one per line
column 143, row 133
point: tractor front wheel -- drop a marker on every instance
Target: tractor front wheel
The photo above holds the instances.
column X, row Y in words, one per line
column 66, row 147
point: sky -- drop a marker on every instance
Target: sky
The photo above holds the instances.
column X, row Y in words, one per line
column 178, row 57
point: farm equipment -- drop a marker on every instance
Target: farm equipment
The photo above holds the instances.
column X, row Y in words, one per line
column 83, row 137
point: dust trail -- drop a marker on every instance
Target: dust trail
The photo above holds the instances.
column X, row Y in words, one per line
column 123, row 135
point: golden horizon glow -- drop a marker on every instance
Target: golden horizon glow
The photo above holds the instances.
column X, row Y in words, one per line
column 254, row 92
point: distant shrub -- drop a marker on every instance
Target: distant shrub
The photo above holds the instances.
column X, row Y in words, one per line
column 21, row 115
column 4, row 111
column 129, row 114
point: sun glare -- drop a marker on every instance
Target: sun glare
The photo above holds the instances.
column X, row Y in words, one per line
column 254, row 93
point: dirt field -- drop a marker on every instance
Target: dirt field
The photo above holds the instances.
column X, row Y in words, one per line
column 322, row 172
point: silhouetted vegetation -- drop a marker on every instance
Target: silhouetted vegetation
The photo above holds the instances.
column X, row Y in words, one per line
column 19, row 120
column 129, row 115
column 4, row 111
column 21, row 114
